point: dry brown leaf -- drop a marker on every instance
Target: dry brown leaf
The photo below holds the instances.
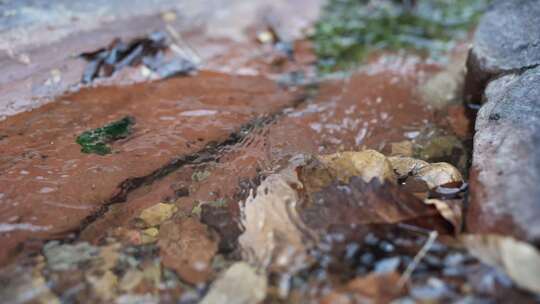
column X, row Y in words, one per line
column 439, row 174
column 239, row 284
column 367, row 164
column 451, row 210
column 433, row 175
column 520, row 260
column 360, row 202
column 298, row 203
column 271, row 237
column 406, row 166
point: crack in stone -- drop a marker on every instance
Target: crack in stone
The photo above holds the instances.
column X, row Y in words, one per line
column 209, row 153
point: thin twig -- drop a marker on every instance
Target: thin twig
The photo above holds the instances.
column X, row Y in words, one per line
column 419, row 256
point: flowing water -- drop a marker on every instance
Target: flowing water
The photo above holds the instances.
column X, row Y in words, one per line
column 71, row 223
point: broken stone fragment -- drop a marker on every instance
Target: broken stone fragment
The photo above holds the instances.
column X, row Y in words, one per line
column 441, row 148
column 505, row 196
column 157, row 214
column 22, row 284
column 239, row 284
column 507, row 40
column 445, row 87
column 367, row 164
column 149, row 235
column 188, row 247
column 103, row 285
column 62, row 257
column 130, row 280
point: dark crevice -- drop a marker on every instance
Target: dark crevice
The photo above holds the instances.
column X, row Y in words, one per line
column 478, row 78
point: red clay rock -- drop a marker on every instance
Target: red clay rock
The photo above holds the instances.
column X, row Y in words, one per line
column 48, row 187
column 187, row 246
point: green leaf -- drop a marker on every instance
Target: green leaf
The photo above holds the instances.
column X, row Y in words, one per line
column 97, row 141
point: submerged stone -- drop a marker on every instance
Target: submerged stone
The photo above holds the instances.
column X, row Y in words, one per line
column 62, row 257
column 157, row 214
column 506, row 163
column 240, row 284
column 188, row 247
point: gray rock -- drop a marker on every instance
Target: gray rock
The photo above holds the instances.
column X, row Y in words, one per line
column 62, row 257
column 507, row 40
column 505, row 179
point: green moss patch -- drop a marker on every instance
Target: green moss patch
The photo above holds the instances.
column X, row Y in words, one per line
column 349, row 30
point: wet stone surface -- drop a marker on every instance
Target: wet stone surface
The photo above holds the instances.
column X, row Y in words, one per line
column 507, row 40
column 504, row 198
column 506, row 163
column 49, row 187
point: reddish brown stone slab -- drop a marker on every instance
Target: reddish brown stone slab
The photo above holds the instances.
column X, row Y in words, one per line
column 372, row 109
column 187, row 246
column 48, row 186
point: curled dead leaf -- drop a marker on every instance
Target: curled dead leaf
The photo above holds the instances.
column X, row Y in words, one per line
column 406, row 166
column 520, row 260
column 451, row 210
column 299, row 203
column 271, row 238
column 438, row 174
column 434, row 175
column 360, row 202
column 367, row 164
column 442, row 179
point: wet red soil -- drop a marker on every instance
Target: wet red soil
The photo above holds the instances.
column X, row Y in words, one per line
column 48, row 187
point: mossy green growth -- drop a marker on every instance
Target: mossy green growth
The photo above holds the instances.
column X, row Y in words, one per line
column 97, row 141
column 348, row 30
